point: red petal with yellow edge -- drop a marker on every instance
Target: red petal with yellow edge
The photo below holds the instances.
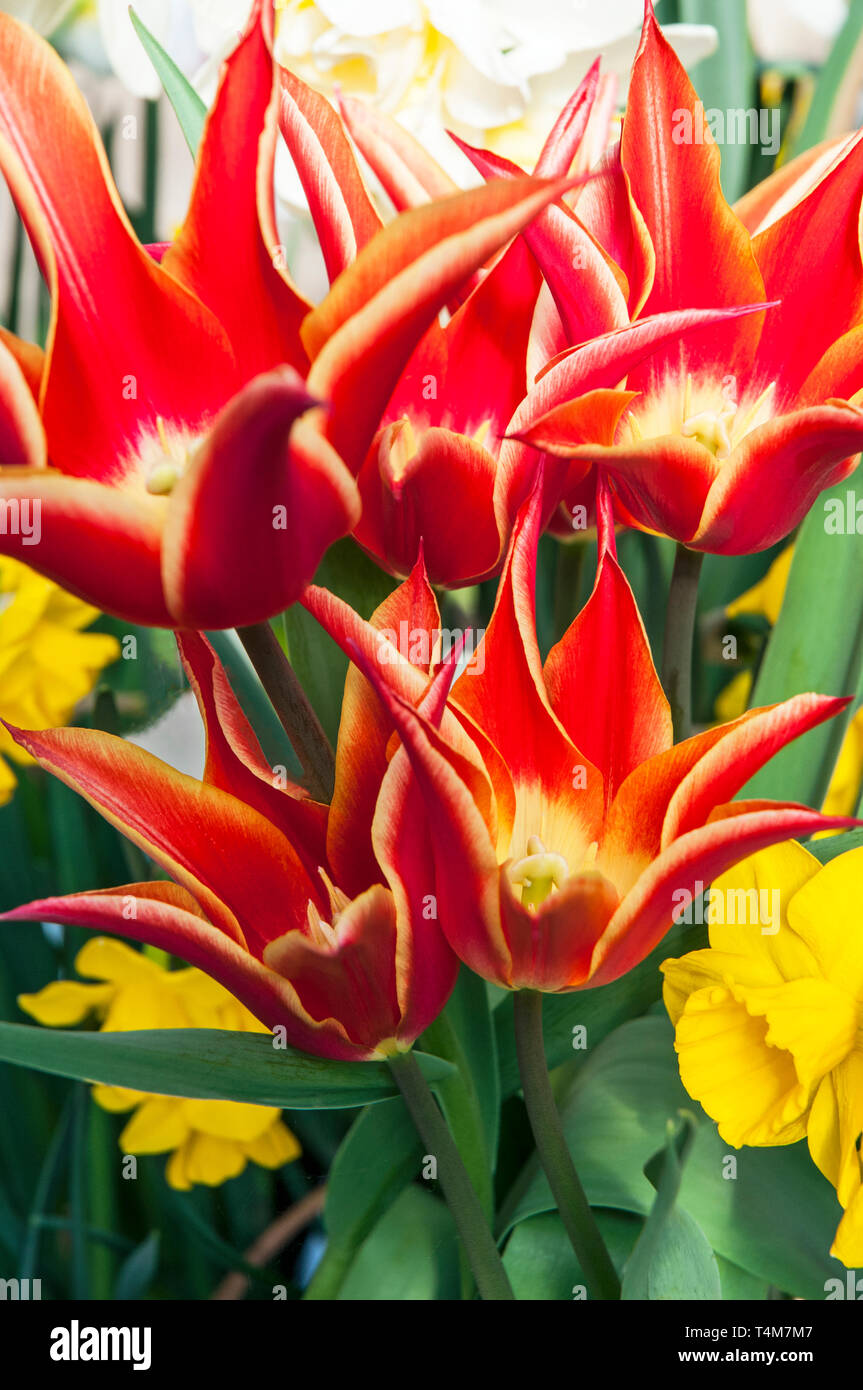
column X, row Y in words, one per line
column 589, row 419
column 426, row 967
column 29, row 356
column 745, row 746
column 810, row 259
column 600, row 364
column 775, row 195
column 364, row 732
column 663, row 483
column 127, row 344
column 343, row 213
column 466, row 869
column 405, row 169
column 553, row 946
column 236, row 764
column 364, row 332
column 513, row 709
column 633, row 831
column 603, row 685
column 352, row 978
column 238, row 866
column 407, row 501
column 101, row 543
column 266, row 492
column 775, row 475
column 228, row 249
column 588, row 289
column 645, row 914
column 564, row 139
column 607, row 210
column 676, row 187
column 22, row 438
column 162, row 915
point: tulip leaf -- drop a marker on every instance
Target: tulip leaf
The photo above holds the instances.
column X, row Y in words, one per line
column 672, row 1258
column 190, row 110
column 379, row 1156
column 816, row 645
column 833, row 106
column 138, row 1269
column 766, row 1210
column 540, row 1262
column 833, row 845
column 206, row 1063
column 412, row 1255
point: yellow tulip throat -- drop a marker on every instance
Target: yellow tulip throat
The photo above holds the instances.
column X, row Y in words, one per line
column 711, row 413
column 165, row 458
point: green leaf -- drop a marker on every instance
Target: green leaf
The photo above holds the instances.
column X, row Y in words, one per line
column 726, row 80
column 540, row 1262
column 672, row 1258
column 829, row 848
column 816, row 645
column 412, row 1255
column 770, row 1211
column 256, row 705
column 838, row 82
column 206, row 1063
column 470, row 1099
column 190, row 109
column 138, row 1270
column 380, row 1155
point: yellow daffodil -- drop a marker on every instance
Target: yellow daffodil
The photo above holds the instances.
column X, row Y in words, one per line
column 764, row 600
column 47, row 664
column 211, row 1140
column 769, row 1019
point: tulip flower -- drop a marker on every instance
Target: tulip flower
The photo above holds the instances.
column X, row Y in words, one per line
column 724, row 440
column 170, row 379
column 443, row 432
column 319, row 920
column 768, row 1018
column 557, row 870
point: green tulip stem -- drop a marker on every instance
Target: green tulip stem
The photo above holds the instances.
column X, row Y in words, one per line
column 461, row 1198
column 679, row 635
column 291, row 704
column 554, row 1155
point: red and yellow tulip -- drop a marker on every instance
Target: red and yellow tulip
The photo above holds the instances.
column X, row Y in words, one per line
column 319, row 919
column 565, row 821
column 723, row 440
column 174, row 376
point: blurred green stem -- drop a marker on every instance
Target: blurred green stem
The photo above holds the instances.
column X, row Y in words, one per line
column 679, row 635
column 289, row 700
column 567, row 583
column 554, row 1155
column 460, row 1193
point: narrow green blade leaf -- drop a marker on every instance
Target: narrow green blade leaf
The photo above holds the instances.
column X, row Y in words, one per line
column 190, row 109
column 837, row 86
column 817, row 645
column 206, row 1063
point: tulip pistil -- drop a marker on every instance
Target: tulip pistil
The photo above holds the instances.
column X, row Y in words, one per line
column 539, row 873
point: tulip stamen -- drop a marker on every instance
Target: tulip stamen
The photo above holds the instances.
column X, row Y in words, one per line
column 539, row 873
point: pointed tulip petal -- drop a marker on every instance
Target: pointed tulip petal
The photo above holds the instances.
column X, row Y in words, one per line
column 184, row 825
column 343, row 213
column 230, row 229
